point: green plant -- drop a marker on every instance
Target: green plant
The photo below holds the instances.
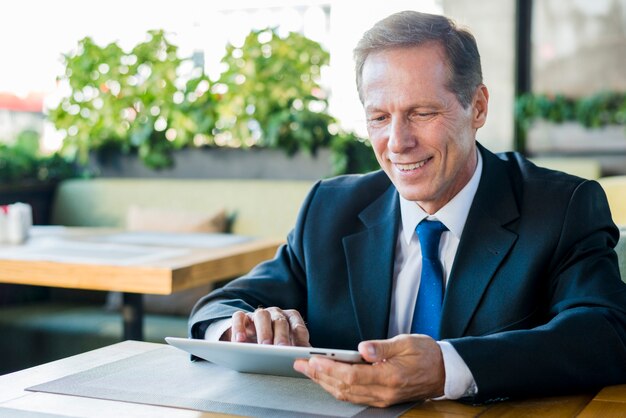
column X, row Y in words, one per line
column 133, row 101
column 270, row 96
column 22, row 162
column 601, row 109
column 270, row 93
column 598, row 110
column 351, row 154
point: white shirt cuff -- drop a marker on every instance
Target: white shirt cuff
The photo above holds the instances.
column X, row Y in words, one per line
column 459, row 379
column 215, row 331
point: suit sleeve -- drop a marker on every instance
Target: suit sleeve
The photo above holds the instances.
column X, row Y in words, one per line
column 582, row 346
column 277, row 282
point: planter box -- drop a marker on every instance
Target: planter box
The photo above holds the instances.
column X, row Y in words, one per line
column 607, row 145
column 222, row 163
column 572, row 138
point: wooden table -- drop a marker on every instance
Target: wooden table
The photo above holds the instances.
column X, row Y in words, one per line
column 610, row 402
column 162, row 270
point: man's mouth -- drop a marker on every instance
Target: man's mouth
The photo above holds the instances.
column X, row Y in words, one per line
column 412, row 166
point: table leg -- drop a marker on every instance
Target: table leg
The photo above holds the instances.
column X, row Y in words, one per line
column 132, row 314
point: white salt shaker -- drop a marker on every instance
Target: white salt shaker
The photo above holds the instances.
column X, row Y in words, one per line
column 19, row 219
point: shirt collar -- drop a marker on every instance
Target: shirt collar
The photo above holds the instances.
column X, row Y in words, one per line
column 453, row 215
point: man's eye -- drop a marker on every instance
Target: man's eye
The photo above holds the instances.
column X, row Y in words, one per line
column 423, row 115
column 377, row 119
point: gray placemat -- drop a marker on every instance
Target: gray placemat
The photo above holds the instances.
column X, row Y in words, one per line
column 20, row 413
column 166, row 377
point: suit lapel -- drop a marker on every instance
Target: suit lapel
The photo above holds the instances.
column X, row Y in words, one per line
column 370, row 259
column 484, row 245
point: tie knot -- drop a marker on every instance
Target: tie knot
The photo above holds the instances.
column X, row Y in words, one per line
column 429, row 234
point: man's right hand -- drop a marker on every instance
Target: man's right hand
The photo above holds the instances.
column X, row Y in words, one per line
column 268, row 326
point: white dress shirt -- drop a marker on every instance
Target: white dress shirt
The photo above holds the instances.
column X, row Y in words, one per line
column 406, row 278
column 408, row 269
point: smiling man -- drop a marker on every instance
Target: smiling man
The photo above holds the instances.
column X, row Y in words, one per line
column 456, row 272
column 423, row 137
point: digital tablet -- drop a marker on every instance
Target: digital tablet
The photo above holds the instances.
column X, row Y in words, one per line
column 258, row 358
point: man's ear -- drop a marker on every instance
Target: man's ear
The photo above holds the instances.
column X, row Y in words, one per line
column 480, row 106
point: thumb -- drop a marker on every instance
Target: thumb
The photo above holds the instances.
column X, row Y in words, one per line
column 379, row 350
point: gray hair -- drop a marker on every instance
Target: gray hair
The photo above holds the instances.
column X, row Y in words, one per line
column 410, row 28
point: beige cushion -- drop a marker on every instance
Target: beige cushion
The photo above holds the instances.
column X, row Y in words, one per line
column 140, row 218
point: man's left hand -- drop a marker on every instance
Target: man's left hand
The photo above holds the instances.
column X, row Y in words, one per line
column 404, row 368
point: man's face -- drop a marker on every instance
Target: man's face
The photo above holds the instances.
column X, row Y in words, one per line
column 422, row 136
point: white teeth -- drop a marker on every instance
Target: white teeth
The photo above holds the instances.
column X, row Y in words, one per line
column 409, row 167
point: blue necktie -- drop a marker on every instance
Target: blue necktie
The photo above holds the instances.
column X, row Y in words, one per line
column 427, row 314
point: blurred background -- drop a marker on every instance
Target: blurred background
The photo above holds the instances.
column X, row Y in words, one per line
column 121, row 114
column 552, row 67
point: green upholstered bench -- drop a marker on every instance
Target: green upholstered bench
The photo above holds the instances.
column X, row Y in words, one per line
column 264, row 208
column 588, row 168
column 47, row 330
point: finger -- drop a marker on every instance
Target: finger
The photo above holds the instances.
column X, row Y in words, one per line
column 333, row 372
column 363, row 393
column 375, row 351
column 238, row 328
column 250, row 328
column 299, row 331
column 368, row 395
column 280, row 326
column 301, row 366
column 316, row 369
column 263, row 326
column 347, row 384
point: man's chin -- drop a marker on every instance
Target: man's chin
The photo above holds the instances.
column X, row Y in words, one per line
column 412, row 196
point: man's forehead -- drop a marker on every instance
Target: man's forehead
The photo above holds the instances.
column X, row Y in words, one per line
column 406, row 62
column 417, row 65
column 434, row 48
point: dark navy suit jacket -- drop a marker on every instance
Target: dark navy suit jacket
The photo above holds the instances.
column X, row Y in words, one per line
column 534, row 302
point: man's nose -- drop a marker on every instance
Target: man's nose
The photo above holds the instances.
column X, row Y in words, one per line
column 401, row 137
